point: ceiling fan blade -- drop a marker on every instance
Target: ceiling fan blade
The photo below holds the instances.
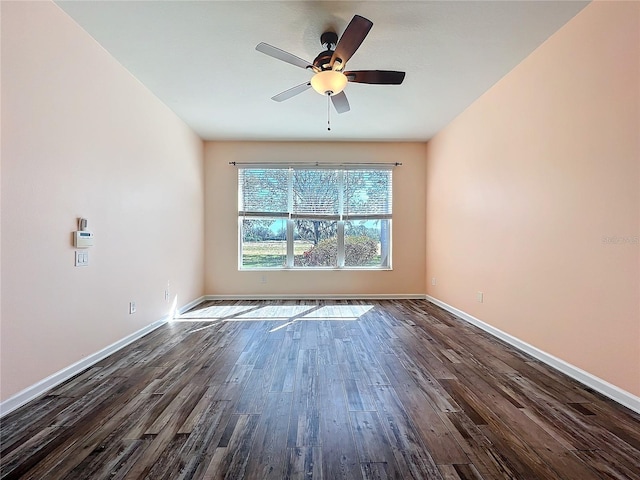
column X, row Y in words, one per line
column 351, row 39
column 340, row 102
column 282, row 55
column 293, row 91
column 379, row 77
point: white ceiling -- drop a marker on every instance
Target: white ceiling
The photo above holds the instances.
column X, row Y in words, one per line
column 199, row 58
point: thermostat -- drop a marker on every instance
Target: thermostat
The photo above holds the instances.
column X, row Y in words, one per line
column 83, row 239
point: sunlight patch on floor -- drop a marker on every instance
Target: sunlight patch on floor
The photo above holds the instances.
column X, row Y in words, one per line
column 338, row 312
column 276, row 313
column 215, row 312
column 331, row 313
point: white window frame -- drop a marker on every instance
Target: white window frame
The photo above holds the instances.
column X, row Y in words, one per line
column 341, row 218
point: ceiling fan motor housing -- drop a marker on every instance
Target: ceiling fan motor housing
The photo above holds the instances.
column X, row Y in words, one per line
column 329, row 40
column 323, row 60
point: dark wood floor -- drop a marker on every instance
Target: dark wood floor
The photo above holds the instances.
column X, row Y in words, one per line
column 311, row 390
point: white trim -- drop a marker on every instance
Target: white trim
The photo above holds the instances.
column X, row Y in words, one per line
column 313, row 296
column 37, row 389
column 191, row 304
column 609, row 390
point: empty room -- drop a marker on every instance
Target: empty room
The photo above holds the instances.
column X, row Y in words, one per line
column 320, row 240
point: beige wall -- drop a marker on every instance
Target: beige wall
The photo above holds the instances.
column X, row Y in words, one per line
column 81, row 137
column 533, row 198
column 221, row 207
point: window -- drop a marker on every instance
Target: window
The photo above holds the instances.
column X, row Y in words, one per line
column 314, row 218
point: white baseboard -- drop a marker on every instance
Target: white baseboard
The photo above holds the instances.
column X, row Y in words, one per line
column 190, row 305
column 57, row 378
column 309, row 296
column 609, row 390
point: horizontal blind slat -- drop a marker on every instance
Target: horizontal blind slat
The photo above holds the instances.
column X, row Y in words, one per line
column 306, row 216
column 244, row 213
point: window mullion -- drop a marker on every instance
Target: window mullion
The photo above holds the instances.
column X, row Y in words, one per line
column 340, row 241
column 290, row 191
column 340, row 230
column 290, row 225
column 290, row 233
column 240, row 243
column 341, row 190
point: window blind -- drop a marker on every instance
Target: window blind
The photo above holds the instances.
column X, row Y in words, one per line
column 367, row 194
column 263, row 192
column 322, row 194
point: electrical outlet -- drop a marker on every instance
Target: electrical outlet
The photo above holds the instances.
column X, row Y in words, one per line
column 433, row 281
column 263, row 279
column 132, row 307
column 480, row 297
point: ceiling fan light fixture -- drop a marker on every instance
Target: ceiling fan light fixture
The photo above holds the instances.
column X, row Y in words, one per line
column 329, row 82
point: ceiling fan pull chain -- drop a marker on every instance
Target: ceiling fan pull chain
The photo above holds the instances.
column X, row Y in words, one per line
column 328, row 112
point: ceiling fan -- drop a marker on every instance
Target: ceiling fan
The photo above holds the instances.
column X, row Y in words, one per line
column 329, row 77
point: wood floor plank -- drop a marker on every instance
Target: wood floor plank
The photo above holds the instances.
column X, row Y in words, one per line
column 376, row 471
column 414, row 461
column 429, row 385
column 480, row 450
column 517, row 457
column 198, row 411
column 364, row 348
column 436, row 436
column 535, row 445
column 359, row 397
column 115, row 466
column 16, row 429
column 254, row 394
column 199, row 446
column 304, row 423
column 339, row 455
column 19, row 461
column 162, row 467
column 109, row 416
column 320, row 389
column 268, row 451
column 467, row 472
column 371, row 441
column 162, row 444
column 232, row 454
column 607, row 466
column 581, row 431
column 285, row 372
column 186, row 396
column 304, row 463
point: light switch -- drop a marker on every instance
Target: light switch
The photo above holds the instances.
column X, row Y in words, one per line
column 82, row 258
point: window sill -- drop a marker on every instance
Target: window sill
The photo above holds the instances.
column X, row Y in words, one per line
column 317, row 269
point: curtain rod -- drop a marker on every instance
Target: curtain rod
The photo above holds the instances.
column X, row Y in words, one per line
column 318, row 164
